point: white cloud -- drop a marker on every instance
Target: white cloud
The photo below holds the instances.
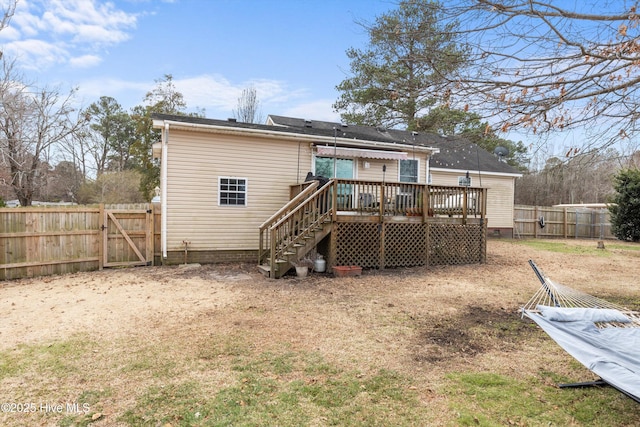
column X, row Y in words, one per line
column 36, row 54
column 85, row 61
column 9, row 33
column 76, row 31
column 317, row 110
column 127, row 93
column 208, row 91
column 87, row 21
column 217, row 95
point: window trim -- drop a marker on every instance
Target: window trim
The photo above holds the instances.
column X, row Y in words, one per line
column 462, row 181
column 354, row 165
column 417, row 171
column 245, row 192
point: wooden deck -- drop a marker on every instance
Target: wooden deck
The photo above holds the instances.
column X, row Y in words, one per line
column 375, row 225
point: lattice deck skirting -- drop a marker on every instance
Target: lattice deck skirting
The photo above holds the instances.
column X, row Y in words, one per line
column 373, row 245
column 358, row 243
column 452, row 244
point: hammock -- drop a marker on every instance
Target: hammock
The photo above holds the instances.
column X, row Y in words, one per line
column 604, row 337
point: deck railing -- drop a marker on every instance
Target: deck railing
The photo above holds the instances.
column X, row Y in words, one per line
column 457, row 201
column 408, row 199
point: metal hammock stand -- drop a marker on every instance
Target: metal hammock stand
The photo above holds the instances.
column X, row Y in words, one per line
column 603, row 336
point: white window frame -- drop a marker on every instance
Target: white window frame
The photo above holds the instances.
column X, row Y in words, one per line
column 417, row 170
column 462, row 181
column 354, row 161
column 245, row 192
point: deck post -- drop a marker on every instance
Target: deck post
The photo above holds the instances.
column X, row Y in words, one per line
column 334, row 201
column 272, row 253
column 381, row 231
column 484, row 203
column 260, row 246
column 425, row 203
column 427, row 232
column 383, row 201
column 333, row 247
column 465, row 194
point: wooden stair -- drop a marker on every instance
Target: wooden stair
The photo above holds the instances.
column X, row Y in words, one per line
column 286, row 263
column 295, row 230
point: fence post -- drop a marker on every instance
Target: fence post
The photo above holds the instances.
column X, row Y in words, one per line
column 101, row 236
column 150, row 253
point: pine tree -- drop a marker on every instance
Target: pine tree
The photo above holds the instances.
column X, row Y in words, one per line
column 397, row 78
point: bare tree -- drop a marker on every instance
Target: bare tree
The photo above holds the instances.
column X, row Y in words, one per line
column 165, row 96
column 32, row 122
column 8, row 10
column 76, row 149
column 547, row 66
column 248, row 110
column 584, row 178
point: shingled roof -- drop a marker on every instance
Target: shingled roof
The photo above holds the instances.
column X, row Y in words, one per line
column 455, row 153
column 293, row 126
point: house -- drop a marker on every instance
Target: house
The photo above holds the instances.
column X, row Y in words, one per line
column 241, row 192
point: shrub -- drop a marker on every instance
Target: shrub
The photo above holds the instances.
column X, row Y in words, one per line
column 625, row 207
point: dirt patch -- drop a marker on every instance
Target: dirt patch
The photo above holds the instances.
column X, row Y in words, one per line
column 476, row 330
column 109, row 303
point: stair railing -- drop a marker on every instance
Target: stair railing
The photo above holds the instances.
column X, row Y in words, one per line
column 298, row 224
column 265, row 235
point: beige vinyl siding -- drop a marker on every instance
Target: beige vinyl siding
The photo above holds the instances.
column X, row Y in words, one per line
column 500, row 200
column 198, row 159
column 500, row 193
column 374, row 172
column 448, row 178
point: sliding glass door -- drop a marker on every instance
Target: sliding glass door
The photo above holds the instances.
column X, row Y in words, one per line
column 343, row 168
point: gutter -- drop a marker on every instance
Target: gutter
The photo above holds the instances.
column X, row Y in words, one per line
column 484, row 173
column 163, row 190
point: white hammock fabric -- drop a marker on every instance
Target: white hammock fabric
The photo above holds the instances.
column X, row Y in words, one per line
column 603, row 336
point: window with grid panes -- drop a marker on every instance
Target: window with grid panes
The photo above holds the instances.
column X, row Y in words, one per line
column 232, row 191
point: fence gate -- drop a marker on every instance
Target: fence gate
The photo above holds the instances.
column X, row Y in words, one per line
column 127, row 237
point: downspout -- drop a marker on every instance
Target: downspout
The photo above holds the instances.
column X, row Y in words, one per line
column 163, row 189
column 427, row 169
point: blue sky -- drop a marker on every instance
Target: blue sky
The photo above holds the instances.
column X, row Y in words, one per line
column 292, row 51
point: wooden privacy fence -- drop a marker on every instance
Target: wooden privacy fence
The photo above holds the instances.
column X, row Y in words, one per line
column 39, row 241
column 562, row 222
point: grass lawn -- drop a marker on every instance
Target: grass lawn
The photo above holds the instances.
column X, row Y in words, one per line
column 222, row 346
